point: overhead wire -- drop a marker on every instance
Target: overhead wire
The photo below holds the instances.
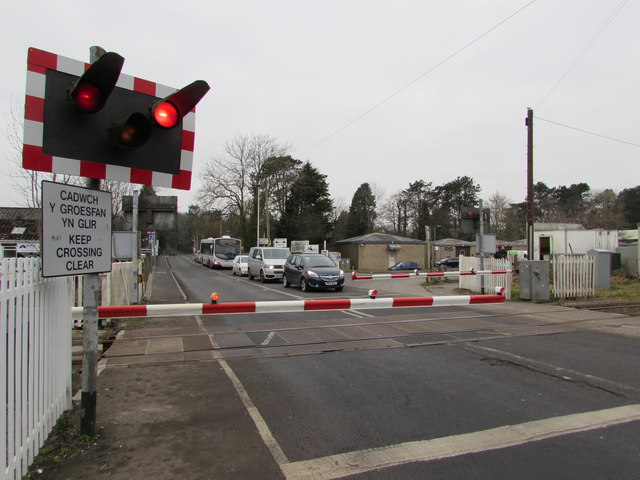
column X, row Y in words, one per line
column 584, row 51
column 419, row 77
column 573, row 65
column 588, row 132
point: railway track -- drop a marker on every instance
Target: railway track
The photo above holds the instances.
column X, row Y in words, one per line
column 355, row 330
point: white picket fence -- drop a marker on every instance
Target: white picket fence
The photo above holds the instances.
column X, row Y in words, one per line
column 474, row 282
column 35, row 373
column 573, row 275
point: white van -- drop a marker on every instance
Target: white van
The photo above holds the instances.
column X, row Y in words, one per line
column 266, row 262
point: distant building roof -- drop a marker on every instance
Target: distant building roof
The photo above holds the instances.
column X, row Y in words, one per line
column 380, row 238
column 19, row 224
column 453, row 242
column 557, row 226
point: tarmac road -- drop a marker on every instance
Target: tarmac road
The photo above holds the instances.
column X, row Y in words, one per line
column 501, row 401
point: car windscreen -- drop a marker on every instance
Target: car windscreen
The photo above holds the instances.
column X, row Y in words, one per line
column 319, row 261
column 272, row 253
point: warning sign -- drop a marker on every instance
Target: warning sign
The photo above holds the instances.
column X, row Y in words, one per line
column 76, row 230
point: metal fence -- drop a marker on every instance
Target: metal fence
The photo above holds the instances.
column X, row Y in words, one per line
column 573, row 275
column 35, row 373
column 490, row 282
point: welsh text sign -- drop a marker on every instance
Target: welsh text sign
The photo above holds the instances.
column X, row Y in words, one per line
column 76, row 230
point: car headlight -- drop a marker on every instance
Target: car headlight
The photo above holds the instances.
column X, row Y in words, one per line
column 341, row 274
column 313, row 274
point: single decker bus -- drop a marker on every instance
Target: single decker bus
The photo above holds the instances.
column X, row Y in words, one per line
column 218, row 252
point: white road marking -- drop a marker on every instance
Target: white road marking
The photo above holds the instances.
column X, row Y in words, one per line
column 263, row 429
column 357, row 313
column 269, row 338
column 361, row 461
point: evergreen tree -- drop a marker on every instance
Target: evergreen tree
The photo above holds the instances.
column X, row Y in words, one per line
column 362, row 212
column 630, row 198
column 308, row 208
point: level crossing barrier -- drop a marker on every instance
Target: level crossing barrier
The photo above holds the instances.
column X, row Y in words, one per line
column 186, row 309
column 417, row 273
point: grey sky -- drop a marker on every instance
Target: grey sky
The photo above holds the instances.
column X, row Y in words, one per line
column 299, row 71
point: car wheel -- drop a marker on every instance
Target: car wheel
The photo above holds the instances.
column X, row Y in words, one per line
column 303, row 285
column 262, row 279
column 285, row 282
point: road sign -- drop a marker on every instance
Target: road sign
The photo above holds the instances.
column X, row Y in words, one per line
column 76, row 230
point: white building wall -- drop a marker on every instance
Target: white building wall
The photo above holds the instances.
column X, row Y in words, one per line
column 576, row 241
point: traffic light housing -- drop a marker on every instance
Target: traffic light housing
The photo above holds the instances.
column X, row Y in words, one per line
column 470, row 220
column 90, row 92
column 94, row 121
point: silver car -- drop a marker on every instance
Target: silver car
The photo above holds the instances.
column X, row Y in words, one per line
column 240, row 265
column 266, row 262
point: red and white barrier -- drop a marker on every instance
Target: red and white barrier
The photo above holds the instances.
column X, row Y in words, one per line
column 184, row 309
column 416, row 273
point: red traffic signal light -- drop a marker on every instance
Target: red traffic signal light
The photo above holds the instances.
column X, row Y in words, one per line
column 87, row 97
column 168, row 111
column 472, row 213
column 91, row 91
column 166, row 115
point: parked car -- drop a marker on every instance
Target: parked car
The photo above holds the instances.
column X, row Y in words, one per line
column 452, row 262
column 240, row 265
column 266, row 262
column 312, row 270
column 406, row 265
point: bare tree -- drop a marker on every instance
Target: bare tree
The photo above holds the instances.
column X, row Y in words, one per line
column 26, row 182
column 230, row 181
column 604, row 210
column 498, row 205
column 390, row 214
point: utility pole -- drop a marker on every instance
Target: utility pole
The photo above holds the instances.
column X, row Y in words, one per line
column 481, row 246
column 266, row 209
column 258, row 216
column 530, row 206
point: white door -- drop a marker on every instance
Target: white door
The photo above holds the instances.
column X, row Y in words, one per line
column 392, row 258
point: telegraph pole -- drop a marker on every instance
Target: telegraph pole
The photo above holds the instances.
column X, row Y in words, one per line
column 258, row 216
column 481, row 245
column 530, row 206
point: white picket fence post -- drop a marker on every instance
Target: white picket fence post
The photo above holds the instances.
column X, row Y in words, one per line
column 35, row 373
column 473, row 282
column 573, row 275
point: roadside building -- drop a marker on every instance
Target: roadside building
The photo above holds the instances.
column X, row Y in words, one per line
column 19, row 232
column 379, row 251
column 555, row 238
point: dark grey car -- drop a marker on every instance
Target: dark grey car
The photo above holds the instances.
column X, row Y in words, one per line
column 312, row 271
